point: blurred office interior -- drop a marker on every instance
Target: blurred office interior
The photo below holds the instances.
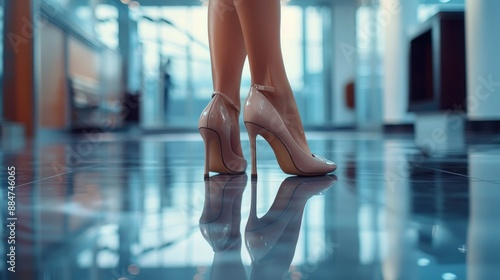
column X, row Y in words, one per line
column 106, row 57
column 99, row 105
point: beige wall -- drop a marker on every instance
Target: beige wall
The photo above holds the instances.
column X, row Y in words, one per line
column 52, row 102
column 83, row 61
column 102, row 66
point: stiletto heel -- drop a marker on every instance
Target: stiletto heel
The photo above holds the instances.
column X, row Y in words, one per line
column 253, row 130
column 263, row 119
column 208, row 136
column 215, row 127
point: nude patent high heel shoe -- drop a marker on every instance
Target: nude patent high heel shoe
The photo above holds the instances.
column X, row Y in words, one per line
column 261, row 118
column 215, row 127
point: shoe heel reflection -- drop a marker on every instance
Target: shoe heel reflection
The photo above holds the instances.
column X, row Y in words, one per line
column 271, row 240
column 220, row 224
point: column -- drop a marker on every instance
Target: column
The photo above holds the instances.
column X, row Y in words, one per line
column 482, row 237
column 483, row 59
column 396, row 16
column 128, row 41
column 18, row 59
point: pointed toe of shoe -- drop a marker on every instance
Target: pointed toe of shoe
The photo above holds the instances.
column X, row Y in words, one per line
column 327, row 165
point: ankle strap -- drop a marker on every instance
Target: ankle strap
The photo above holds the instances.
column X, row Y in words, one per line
column 263, row 88
column 228, row 100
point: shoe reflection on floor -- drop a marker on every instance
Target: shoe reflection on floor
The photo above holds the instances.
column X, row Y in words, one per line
column 270, row 240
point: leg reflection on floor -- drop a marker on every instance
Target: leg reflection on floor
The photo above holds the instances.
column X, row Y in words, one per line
column 114, row 207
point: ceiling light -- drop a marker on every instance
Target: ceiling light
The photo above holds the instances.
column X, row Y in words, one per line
column 134, row 6
column 448, row 276
column 423, row 262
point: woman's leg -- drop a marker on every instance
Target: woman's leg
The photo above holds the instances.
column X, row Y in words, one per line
column 227, row 52
column 260, row 22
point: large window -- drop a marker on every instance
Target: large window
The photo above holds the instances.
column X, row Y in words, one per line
column 106, row 27
column 176, row 66
column 177, row 82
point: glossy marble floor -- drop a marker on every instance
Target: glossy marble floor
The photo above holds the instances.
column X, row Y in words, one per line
column 115, row 206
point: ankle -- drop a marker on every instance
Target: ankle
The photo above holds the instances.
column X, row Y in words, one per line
column 280, row 84
column 233, row 95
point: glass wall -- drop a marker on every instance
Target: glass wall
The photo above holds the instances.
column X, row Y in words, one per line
column 177, row 82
